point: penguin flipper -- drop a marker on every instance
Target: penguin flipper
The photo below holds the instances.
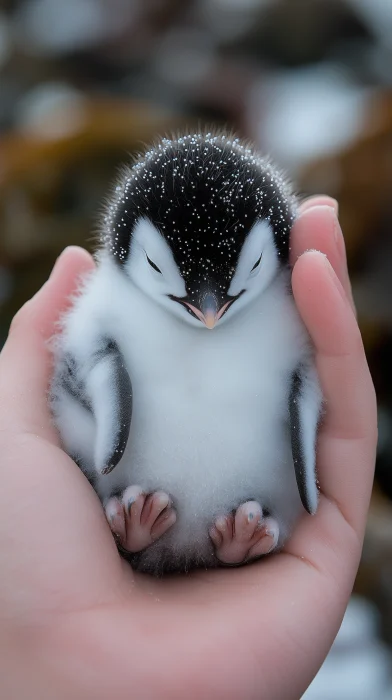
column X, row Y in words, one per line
column 304, row 410
column 105, row 391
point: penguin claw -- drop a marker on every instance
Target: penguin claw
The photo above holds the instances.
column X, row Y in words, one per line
column 244, row 536
column 138, row 519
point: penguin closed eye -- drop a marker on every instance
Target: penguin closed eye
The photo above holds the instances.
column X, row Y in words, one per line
column 184, row 384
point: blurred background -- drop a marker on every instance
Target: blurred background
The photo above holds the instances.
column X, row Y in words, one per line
column 84, row 84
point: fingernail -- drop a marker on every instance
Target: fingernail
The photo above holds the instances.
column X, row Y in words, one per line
column 339, row 238
column 334, row 277
column 320, row 201
column 336, row 231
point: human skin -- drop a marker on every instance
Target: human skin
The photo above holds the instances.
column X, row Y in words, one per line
column 76, row 622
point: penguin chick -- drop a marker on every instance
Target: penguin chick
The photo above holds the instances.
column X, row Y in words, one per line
column 184, row 383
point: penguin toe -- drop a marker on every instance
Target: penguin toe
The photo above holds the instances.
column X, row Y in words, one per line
column 246, row 536
column 138, row 519
column 115, row 516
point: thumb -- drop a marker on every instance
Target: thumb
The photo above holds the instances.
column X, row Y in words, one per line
column 25, row 361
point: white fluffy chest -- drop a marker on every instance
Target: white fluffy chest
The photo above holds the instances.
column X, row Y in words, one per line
column 210, row 407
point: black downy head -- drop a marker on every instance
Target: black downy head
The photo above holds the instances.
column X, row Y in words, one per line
column 203, row 194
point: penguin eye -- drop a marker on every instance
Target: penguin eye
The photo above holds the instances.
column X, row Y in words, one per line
column 257, row 263
column 155, row 267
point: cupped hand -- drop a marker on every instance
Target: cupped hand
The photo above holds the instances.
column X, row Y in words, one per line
column 76, row 622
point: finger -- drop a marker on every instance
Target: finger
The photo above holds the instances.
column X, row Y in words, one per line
column 318, row 228
column 347, row 442
column 25, row 362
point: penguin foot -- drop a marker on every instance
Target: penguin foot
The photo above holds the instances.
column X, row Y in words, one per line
column 244, row 536
column 138, row 519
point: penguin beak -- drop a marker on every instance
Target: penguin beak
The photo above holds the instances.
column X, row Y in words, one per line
column 209, row 310
column 209, row 313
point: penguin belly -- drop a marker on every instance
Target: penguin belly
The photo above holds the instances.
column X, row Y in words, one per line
column 212, row 433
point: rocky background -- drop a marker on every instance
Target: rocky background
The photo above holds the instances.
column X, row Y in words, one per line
column 85, row 83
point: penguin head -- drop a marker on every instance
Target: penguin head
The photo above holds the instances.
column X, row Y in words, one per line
column 201, row 225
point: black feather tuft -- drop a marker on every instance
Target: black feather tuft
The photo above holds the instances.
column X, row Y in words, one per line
column 203, row 193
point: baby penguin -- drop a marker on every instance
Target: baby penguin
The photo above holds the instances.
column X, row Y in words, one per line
column 184, row 383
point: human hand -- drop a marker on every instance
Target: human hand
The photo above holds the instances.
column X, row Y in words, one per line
column 75, row 617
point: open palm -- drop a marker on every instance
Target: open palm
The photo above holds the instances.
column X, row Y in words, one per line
column 76, row 618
